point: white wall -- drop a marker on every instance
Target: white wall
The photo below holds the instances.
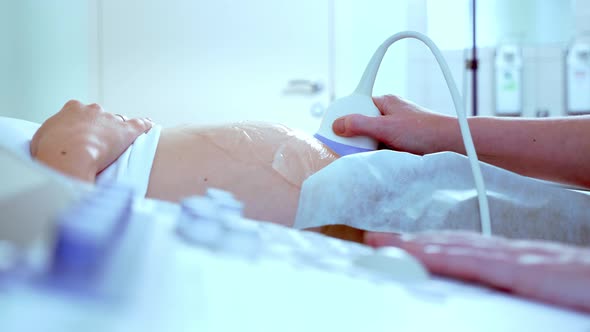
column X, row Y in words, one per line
column 360, row 27
column 525, row 22
column 444, row 22
column 203, row 62
column 193, row 61
column 179, row 57
column 11, row 81
column 582, row 15
column 44, row 56
column 211, row 62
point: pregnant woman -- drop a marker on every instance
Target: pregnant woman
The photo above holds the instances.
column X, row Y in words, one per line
column 264, row 165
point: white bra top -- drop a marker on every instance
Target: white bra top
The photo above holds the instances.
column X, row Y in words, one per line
column 133, row 167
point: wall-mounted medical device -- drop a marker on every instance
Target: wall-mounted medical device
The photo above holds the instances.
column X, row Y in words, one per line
column 578, row 79
column 508, row 80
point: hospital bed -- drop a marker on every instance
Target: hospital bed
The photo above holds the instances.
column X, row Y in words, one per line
column 119, row 262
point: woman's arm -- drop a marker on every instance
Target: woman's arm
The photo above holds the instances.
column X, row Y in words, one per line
column 82, row 140
column 555, row 149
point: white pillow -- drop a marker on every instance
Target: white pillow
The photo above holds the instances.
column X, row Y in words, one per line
column 16, row 135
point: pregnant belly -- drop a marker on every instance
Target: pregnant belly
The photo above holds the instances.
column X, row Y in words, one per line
column 264, row 166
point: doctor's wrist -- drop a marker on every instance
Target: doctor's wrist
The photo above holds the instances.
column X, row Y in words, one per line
column 446, row 136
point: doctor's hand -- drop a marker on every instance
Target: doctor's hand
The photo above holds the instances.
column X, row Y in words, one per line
column 404, row 126
column 544, row 271
column 82, row 140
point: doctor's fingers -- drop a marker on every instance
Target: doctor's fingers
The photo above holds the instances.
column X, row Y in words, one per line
column 550, row 250
column 554, row 279
column 562, row 282
column 475, row 257
column 455, row 238
column 360, row 125
column 466, row 239
column 389, row 104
